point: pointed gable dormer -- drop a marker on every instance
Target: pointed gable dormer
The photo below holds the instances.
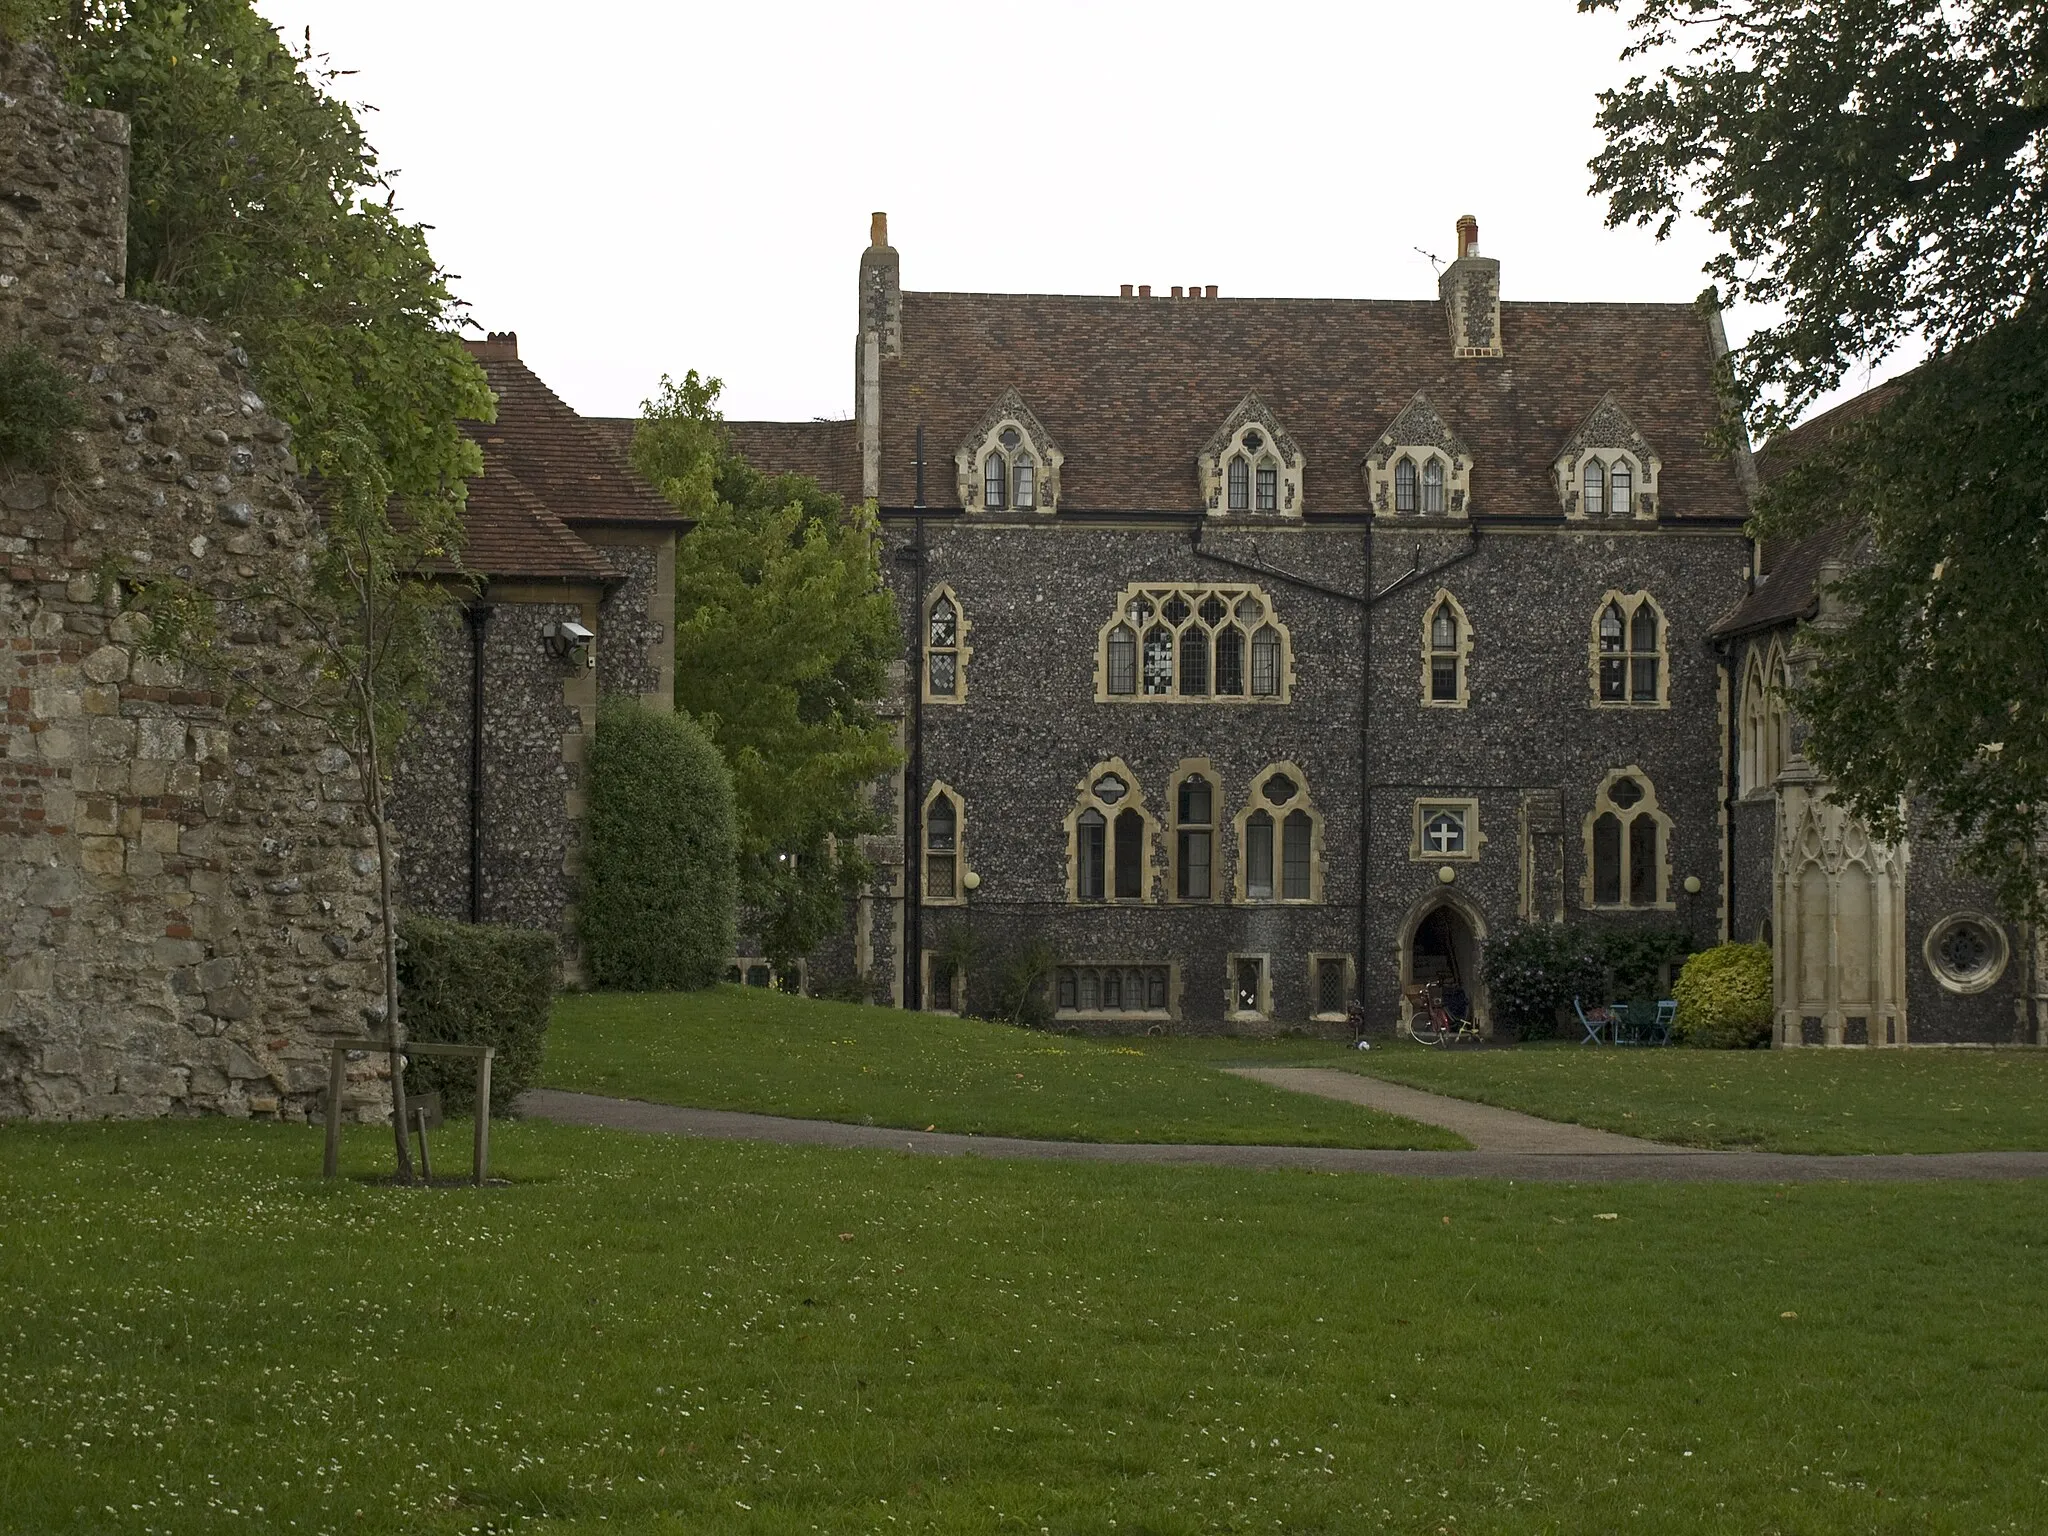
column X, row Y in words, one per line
column 1009, row 462
column 1607, row 470
column 1419, row 467
column 1251, row 466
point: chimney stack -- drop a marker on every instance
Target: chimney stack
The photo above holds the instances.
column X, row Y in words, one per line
column 881, row 289
column 1470, row 290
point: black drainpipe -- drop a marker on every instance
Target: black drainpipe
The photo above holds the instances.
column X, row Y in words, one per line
column 1415, row 572
column 913, row 770
column 478, row 616
column 1730, row 787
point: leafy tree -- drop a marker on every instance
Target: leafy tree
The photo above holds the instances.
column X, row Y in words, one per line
column 784, row 636
column 1878, row 169
column 256, row 201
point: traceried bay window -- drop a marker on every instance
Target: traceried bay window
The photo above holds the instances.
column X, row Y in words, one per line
column 1189, row 644
column 1630, row 650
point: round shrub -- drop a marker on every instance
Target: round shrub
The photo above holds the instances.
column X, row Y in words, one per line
column 661, row 849
column 1538, row 968
column 1724, row 998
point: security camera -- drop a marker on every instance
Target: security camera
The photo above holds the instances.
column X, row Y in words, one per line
column 566, row 638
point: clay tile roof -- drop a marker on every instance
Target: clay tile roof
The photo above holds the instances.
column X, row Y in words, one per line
column 1132, row 388
column 575, row 466
column 827, row 451
column 1789, row 448
column 512, row 534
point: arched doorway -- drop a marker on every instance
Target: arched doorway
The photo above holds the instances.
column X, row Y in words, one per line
column 1441, row 944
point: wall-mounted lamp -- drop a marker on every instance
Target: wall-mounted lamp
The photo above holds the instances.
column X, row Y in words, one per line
column 1692, row 885
column 1445, row 874
column 971, row 880
column 568, row 639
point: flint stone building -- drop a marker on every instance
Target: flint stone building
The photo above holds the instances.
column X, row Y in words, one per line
column 1264, row 654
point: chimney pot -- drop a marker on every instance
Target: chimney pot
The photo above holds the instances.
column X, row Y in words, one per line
column 1210, row 292
column 878, row 230
column 1176, row 290
column 1468, row 237
column 1127, row 290
column 1144, row 290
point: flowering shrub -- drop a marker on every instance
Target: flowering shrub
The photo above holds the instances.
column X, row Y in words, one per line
column 1537, row 968
column 1724, row 998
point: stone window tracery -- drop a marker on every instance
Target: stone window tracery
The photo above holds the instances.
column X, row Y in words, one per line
column 945, row 884
column 1627, row 844
column 946, row 650
column 1196, row 798
column 1607, row 469
column 1631, row 649
column 1446, row 831
column 1172, row 644
column 1009, row 463
column 1419, row 467
column 1446, row 649
column 1109, row 838
column 1280, row 840
column 1114, row 989
column 1251, row 465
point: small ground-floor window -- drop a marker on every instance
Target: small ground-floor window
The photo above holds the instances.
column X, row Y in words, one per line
column 1113, row 989
column 745, row 971
column 1250, row 994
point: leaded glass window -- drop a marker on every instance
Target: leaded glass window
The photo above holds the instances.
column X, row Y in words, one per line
column 1194, row 643
column 942, row 849
column 1621, row 490
column 1433, row 488
column 1296, row 833
column 1269, row 488
column 1089, row 832
column 1240, row 478
column 942, row 650
column 1123, row 660
column 1407, row 489
column 995, row 481
column 1024, row 479
column 1258, row 856
column 1194, row 838
column 1111, row 988
column 1596, row 488
column 1230, row 661
column 1266, row 664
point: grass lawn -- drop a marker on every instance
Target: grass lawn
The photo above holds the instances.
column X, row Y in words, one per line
column 1782, row 1101
column 662, row 1335
column 746, row 1048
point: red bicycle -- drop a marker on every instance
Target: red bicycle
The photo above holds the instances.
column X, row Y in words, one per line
column 1432, row 1023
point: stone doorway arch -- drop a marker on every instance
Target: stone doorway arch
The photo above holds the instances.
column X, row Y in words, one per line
column 1443, row 939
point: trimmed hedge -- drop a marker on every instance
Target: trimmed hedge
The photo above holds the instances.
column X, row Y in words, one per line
column 661, row 840
column 475, row 984
column 1724, row 998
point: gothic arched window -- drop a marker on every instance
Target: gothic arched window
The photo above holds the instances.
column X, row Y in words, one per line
column 1188, row 644
column 943, row 885
column 1621, row 490
column 1194, row 838
column 1110, row 838
column 946, row 650
column 1446, row 642
column 1433, row 488
column 1407, row 488
column 1240, row 478
column 1627, row 844
column 1596, row 488
column 1279, row 835
column 1630, row 650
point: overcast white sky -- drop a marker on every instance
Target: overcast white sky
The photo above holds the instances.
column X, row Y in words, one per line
column 639, row 187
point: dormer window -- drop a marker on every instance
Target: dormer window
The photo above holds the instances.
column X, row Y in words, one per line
column 1251, row 465
column 1419, row 467
column 1607, row 469
column 1010, row 463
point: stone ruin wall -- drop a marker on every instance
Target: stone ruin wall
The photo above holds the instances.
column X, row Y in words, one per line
column 187, row 892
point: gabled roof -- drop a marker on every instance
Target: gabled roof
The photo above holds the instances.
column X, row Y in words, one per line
column 827, row 451
column 571, row 463
column 1133, row 387
column 512, row 534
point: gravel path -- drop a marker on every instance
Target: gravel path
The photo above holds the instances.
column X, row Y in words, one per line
column 1637, row 1160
